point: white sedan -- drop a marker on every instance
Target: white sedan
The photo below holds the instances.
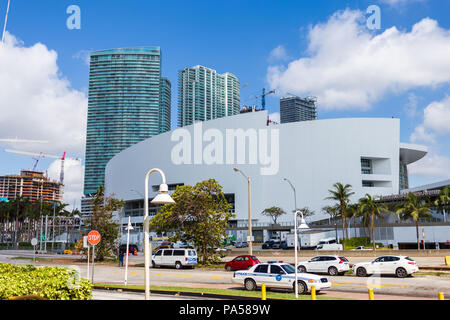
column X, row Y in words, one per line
column 401, row 266
column 279, row 275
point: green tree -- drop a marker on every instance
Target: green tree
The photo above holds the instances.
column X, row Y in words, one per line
column 414, row 207
column 199, row 215
column 369, row 205
column 101, row 220
column 274, row 213
column 443, row 201
column 341, row 194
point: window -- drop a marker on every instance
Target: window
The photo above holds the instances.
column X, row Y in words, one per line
column 276, row 269
column 316, row 259
column 238, row 259
column 178, row 252
column 245, row 258
column 263, row 268
column 343, row 259
column 167, row 252
column 288, row 268
column 158, row 253
column 191, row 253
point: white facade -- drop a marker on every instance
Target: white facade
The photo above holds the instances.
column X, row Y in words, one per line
column 313, row 155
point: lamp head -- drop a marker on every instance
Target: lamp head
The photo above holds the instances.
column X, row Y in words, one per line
column 163, row 196
column 236, row 169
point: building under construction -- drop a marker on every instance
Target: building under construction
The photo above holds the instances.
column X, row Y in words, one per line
column 33, row 185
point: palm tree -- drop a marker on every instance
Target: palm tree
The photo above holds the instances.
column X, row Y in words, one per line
column 375, row 209
column 341, row 194
column 414, row 208
column 353, row 211
column 443, row 201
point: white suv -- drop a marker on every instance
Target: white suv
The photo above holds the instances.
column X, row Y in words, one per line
column 400, row 266
column 331, row 264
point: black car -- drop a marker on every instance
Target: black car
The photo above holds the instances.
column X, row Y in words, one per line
column 268, row 244
column 132, row 248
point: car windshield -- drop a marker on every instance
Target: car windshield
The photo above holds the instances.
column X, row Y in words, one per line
column 288, row 268
column 254, row 258
column 343, row 259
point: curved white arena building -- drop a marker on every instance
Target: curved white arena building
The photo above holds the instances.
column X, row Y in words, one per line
column 365, row 153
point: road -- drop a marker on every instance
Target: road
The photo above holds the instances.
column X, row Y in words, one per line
column 419, row 286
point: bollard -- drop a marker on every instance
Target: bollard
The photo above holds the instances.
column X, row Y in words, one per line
column 371, row 294
column 440, row 296
column 313, row 293
column 263, row 291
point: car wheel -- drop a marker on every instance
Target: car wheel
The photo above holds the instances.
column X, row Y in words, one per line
column 302, row 269
column 401, row 273
column 361, row 272
column 302, row 288
column 250, row 285
column 228, row 268
column 178, row 265
column 332, row 271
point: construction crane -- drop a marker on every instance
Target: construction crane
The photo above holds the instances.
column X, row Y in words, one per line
column 16, row 140
column 263, row 97
column 6, row 20
column 44, row 155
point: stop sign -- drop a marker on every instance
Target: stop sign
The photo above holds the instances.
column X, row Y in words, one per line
column 94, row 237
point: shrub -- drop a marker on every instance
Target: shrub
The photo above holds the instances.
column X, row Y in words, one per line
column 51, row 283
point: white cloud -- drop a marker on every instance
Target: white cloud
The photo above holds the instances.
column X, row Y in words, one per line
column 278, row 53
column 411, row 106
column 436, row 121
column 433, row 165
column 350, row 67
column 437, row 116
column 83, row 55
column 73, row 180
column 37, row 102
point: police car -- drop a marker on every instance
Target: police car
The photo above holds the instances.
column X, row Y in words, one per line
column 279, row 275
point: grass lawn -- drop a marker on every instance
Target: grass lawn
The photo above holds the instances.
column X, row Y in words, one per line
column 231, row 292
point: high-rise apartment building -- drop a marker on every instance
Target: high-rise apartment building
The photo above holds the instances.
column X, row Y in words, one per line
column 203, row 94
column 129, row 102
column 295, row 109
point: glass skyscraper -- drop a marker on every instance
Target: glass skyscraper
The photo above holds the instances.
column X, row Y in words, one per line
column 129, row 102
column 203, row 94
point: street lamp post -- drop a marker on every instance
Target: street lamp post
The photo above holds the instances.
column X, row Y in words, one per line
column 250, row 236
column 129, row 227
column 163, row 197
column 303, row 225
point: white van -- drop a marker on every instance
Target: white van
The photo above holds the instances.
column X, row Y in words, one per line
column 175, row 257
column 329, row 244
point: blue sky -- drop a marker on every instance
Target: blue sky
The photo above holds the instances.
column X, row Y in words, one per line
column 228, row 36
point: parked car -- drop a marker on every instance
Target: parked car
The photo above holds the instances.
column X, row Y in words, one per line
column 272, row 244
column 360, row 248
column 223, row 250
column 132, row 249
column 279, row 275
column 241, row 263
column 175, row 257
column 400, row 266
column 332, row 264
column 329, row 247
column 241, row 244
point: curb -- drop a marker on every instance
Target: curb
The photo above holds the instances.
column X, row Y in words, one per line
column 184, row 293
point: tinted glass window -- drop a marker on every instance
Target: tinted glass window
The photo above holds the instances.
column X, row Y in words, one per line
column 408, row 258
column 263, row 268
column 246, row 258
column 395, row 258
column 178, row 252
column 254, row 258
column 288, row 268
column 167, row 253
column 315, row 259
column 158, row 253
column 330, row 258
column 344, row 259
column 238, row 259
column 276, row 270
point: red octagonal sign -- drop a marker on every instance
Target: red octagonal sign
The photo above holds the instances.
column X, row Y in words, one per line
column 94, row 237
